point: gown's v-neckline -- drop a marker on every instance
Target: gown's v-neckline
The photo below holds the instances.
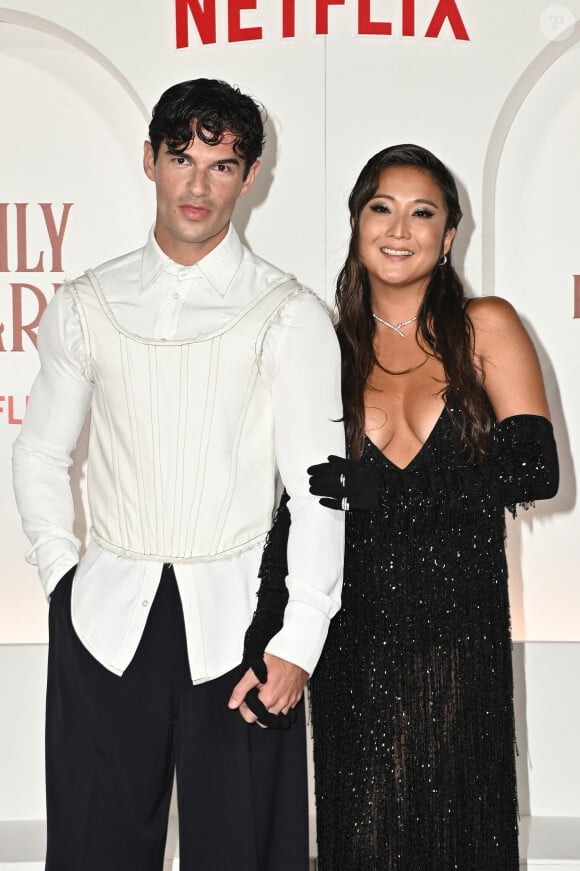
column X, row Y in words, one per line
column 384, row 456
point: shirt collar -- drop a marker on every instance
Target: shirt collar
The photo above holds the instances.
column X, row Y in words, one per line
column 218, row 267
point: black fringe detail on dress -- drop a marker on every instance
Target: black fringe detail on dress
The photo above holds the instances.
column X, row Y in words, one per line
column 412, row 699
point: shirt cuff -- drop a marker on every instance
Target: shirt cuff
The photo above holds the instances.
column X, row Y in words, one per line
column 302, row 637
column 54, row 559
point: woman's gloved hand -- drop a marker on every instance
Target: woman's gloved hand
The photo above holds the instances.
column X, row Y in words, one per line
column 346, row 485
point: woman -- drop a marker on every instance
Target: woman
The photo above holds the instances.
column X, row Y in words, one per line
column 447, row 423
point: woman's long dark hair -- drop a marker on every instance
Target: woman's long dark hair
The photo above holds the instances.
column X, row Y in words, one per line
column 443, row 325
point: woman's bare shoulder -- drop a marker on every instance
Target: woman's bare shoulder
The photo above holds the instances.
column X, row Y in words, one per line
column 506, row 357
column 492, row 312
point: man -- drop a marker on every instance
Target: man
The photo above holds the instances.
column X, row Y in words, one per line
column 209, row 373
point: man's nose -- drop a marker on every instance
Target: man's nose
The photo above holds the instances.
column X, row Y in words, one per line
column 198, row 182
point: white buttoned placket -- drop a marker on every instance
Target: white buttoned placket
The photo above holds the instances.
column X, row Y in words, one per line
column 182, row 284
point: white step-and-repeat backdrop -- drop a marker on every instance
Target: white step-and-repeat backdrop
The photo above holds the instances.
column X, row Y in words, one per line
column 492, row 88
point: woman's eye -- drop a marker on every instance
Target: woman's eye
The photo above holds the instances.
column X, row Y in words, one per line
column 423, row 213
column 381, row 208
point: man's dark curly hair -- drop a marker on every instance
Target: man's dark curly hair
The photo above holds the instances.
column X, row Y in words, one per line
column 207, row 108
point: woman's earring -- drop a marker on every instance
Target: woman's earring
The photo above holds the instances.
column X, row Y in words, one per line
column 443, row 260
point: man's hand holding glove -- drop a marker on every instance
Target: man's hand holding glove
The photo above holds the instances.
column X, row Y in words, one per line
column 269, row 615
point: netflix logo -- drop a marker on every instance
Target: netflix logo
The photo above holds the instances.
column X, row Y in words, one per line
column 23, row 300
column 13, row 408
column 243, row 19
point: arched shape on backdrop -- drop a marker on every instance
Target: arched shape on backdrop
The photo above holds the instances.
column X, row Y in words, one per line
column 35, row 22
column 518, row 94
column 530, row 253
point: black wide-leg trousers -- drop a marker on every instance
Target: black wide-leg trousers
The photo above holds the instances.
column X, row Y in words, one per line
column 113, row 744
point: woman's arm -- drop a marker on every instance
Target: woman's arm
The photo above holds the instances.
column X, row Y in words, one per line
column 507, row 359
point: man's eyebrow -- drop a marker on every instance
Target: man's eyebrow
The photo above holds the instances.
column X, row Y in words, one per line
column 180, row 152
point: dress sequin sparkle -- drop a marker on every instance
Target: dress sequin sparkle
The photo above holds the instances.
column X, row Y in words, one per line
column 412, row 700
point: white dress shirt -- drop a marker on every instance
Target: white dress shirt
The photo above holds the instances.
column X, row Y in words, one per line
column 112, row 595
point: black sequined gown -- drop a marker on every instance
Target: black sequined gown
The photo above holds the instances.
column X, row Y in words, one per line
column 412, row 699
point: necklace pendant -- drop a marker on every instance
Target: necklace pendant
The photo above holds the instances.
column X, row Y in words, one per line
column 397, row 328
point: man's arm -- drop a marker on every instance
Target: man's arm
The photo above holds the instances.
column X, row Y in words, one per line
column 302, row 364
column 57, row 408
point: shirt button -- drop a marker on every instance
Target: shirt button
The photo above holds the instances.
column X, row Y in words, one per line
column 176, row 296
column 182, row 273
column 145, row 603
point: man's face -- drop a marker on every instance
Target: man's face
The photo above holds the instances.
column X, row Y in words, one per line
column 196, row 191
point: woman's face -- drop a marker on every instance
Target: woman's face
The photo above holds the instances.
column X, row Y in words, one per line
column 402, row 232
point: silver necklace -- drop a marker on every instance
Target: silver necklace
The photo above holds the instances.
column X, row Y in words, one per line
column 396, row 327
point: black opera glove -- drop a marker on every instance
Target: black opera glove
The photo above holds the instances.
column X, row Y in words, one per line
column 272, row 721
column 522, row 467
column 268, row 617
column 267, row 621
column 527, row 460
column 346, row 484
